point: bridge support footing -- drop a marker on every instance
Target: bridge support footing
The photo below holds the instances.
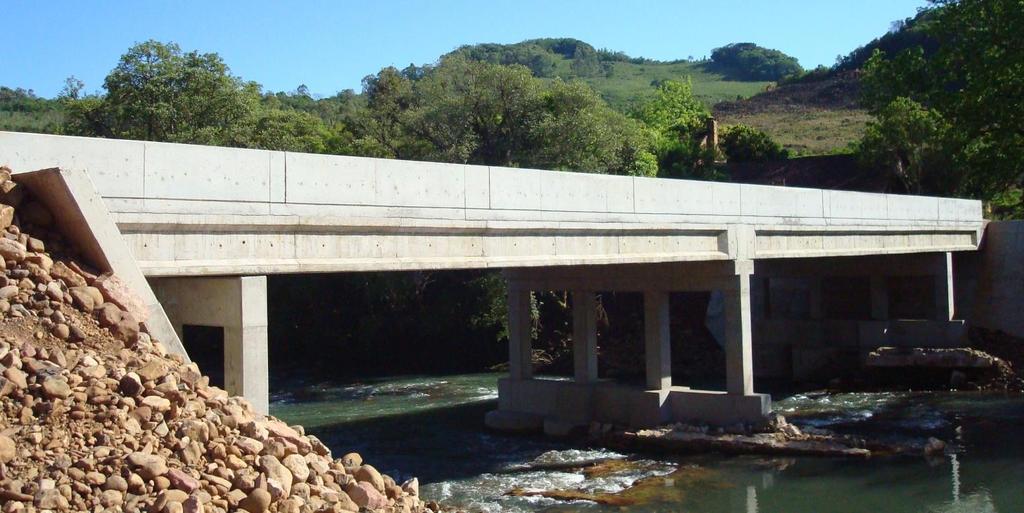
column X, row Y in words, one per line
column 526, row 402
column 238, row 305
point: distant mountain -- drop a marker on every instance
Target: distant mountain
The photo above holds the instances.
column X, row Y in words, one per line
column 735, row 71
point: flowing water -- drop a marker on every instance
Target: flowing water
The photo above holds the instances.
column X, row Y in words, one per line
column 432, row 427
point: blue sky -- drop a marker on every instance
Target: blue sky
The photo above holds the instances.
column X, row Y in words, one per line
column 331, row 45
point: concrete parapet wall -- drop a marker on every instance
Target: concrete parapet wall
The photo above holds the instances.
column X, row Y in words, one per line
column 180, row 178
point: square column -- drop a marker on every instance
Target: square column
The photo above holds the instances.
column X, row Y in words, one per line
column 520, row 340
column 246, row 365
column 879, row 299
column 739, row 365
column 238, row 305
column 657, row 341
column 944, row 298
column 584, row 336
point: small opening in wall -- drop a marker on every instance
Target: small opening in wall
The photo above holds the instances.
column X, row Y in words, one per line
column 205, row 346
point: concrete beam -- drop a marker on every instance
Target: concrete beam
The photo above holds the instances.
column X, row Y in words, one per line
column 584, row 336
column 520, row 337
column 657, row 341
column 739, row 365
column 239, row 306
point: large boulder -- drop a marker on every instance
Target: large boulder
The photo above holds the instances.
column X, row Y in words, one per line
column 7, row 449
column 148, row 466
column 116, row 291
column 366, row 496
column 274, row 469
column 12, row 250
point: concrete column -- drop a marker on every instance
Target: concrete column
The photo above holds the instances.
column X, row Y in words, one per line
column 657, row 342
column 879, row 299
column 238, row 305
column 584, row 336
column 944, row 298
column 739, row 365
column 520, row 342
column 246, row 365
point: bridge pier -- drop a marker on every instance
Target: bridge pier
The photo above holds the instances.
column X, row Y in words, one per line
column 520, row 337
column 528, row 402
column 657, row 340
column 238, row 305
column 739, row 366
column 584, row 336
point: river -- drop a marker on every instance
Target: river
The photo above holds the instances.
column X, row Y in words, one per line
column 431, row 427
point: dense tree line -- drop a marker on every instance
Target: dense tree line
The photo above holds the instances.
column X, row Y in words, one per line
column 21, row 110
column 475, row 112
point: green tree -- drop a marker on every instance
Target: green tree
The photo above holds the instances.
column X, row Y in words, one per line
column 676, row 118
column 580, row 132
column 747, row 61
column 158, row 93
column 742, row 143
column 907, row 139
column 969, row 81
column 481, row 113
column 289, row 130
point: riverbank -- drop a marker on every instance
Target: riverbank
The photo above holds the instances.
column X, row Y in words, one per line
column 96, row 416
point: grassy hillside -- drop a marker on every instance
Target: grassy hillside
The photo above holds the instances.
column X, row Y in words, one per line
column 807, row 130
column 807, row 117
column 819, row 112
column 628, row 83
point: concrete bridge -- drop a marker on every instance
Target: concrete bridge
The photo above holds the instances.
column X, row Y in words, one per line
column 198, row 228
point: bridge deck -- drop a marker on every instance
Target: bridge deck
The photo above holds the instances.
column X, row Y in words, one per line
column 200, row 210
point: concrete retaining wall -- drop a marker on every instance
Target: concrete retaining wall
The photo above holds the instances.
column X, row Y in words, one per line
column 998, row 271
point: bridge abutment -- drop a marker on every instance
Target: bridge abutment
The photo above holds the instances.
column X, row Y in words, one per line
column 237, row 305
